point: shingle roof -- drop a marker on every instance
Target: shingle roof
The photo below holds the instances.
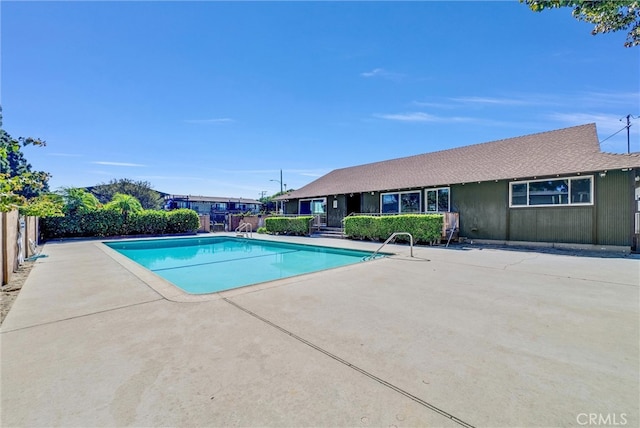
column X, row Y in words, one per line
column 564, row 151
column 220, row 199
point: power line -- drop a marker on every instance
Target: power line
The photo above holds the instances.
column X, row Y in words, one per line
column 615, row 133
column 627, row 126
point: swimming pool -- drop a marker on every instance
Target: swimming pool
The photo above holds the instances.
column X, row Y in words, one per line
column 210, row 264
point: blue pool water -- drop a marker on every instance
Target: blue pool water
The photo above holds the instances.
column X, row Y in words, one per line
column 210, row 264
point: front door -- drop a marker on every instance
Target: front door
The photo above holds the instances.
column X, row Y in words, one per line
column 354, row 203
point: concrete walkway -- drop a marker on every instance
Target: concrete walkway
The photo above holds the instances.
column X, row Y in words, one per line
column 451, row 337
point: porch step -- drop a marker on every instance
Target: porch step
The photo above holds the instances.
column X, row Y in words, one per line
column 328, row 232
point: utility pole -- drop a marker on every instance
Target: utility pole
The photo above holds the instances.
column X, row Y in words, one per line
column 628, row 126
column 281, row 192
column 629, row 117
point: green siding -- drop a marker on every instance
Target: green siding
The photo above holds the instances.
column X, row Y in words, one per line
column 483, row 209
column 335, row 215
column 607, row 222
column 614, row 208
column 371, row 203
column 552, row 224
column 290, row 207
column 485, row 214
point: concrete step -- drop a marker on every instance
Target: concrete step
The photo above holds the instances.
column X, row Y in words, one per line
column 329, row 232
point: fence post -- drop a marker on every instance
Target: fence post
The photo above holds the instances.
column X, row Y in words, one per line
column 9, row 244
column 4, row 265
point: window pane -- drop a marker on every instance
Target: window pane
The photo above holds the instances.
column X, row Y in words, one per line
column 305, row 207
column 581, row 191
column 550, row 192
column 443, row 200
column 519, row 194
column 318, row 206
column 410, row 202
column 390, row 203
column 432, row 200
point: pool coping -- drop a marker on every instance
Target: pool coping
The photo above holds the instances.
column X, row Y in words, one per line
column 174, row 293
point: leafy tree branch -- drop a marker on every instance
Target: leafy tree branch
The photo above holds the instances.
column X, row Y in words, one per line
column 608, row 16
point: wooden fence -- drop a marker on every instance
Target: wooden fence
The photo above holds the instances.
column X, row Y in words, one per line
column 15, row 233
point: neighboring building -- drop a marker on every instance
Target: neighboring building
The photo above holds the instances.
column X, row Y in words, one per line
column 555, row 187
column 217, row 207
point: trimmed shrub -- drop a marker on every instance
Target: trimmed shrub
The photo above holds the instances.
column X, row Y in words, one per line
column 104, row 223
column 182, row 221
column 288, row 225
column 361, row 227
column 59, row 227
column 149, row 222
column 96, row 223
column 424, row 228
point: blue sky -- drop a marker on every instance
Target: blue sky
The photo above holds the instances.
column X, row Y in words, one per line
column 215, row 98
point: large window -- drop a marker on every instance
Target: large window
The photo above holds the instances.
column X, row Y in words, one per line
column 401, row 202
column 557, row 191
column 313, row 206
column 438, row 200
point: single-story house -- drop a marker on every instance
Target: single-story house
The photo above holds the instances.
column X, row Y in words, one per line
column 551, row 187
column 217, row 207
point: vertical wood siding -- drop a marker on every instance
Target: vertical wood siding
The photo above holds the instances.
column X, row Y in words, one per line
column 335, row 215
column 483, row 209
column 550, row 224
column 614, row 208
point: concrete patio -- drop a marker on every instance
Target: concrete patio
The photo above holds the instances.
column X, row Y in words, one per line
column 465, row 336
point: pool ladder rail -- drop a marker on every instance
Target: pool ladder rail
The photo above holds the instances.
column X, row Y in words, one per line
column 389, row 239
column 245, row 230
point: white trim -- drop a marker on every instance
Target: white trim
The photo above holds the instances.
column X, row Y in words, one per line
column 568, row 204
column 323, row 199
column 400, row 199
column 426, row 198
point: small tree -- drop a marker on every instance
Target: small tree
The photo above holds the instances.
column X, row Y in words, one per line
column 46, row 205
column 124, row 204
column 141, row 190
column 18, row 182
column 78, row 201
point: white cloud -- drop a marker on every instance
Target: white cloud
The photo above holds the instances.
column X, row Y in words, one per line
column 372, row 73
column 382, row 73
column 421, row 117
column 433, row 104
column 250, row 171
column 118, row 164
column 167, row 177
column 622, row 99
column 606, row 123
column 490, row 101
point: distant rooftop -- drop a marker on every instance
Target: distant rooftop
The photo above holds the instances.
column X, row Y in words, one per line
column 220, row 199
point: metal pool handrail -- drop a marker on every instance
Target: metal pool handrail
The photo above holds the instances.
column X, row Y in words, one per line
column 393, row 235
column 242, row 229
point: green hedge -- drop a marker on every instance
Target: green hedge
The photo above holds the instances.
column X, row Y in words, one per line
column 104, row 223
column 424, row 228
column 182, row 221
column 288, row 225
column 149, row 222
